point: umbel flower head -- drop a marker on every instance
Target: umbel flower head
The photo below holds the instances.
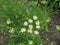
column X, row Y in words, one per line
column 37, row 27
column 8, row 21
column 11, row 30
column 25, row 23
column 36, row 32
column 30, row 20
column 22, row 30
column 35, row 17
column 29, row 30
column 37, row 22
column 30, row 25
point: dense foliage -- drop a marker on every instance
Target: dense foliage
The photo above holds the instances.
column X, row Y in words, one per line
column 17, row 16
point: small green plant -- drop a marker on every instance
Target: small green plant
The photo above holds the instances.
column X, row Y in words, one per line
column 28, row 33
column 24, row 22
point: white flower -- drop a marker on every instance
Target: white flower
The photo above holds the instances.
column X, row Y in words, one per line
column 30, row 20
column 8, row 21
column 37, row 22
column 30, row 26
column 22, row 30
column 35, row 17
column 36, row 32
column 25, row 23
column 29, row 30
column 11, row 30
column 38, row 27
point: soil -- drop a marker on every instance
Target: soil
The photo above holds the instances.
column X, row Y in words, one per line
column 3, row 38
column 55, row 20
column 54, row 35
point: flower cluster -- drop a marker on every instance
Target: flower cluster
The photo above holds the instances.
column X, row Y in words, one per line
column 11, row 30
column 8, row 21
column 30, row 25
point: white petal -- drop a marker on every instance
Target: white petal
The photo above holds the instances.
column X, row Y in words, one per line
column 11, row 30
column 25, row 23
column 29, row 30
column 38, row 27
column 37, row 22
column 8, row 21
column 35, row 17
column 22, row 30
column 30, row 20
column 30, row 26
column 36, row 32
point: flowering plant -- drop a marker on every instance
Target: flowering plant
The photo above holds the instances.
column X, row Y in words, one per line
column 22, row 24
